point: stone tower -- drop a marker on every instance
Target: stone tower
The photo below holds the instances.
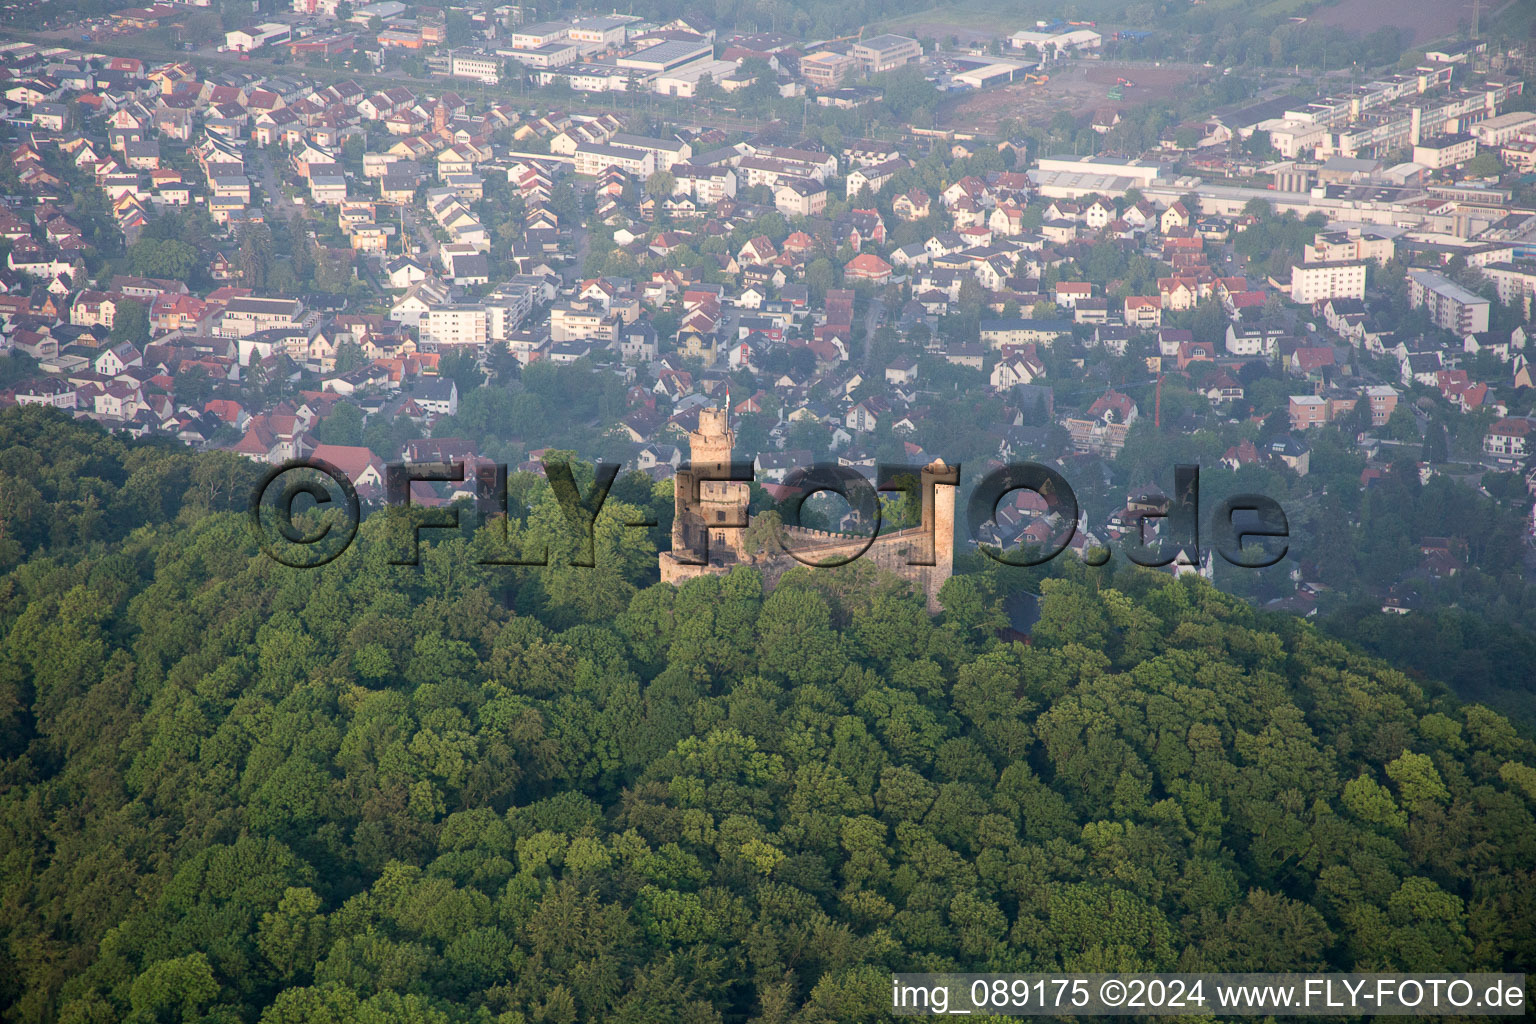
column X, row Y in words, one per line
column 721, row 512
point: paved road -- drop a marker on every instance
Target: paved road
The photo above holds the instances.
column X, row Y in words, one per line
column 414, row 222
column 872, row 318
column 271, row 183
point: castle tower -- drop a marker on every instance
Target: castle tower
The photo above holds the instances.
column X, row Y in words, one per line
column 722, row 506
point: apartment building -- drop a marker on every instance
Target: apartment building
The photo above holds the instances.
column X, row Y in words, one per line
column 1507, row 442
column 1505, row 128
column 592, row 159
column 998, row 333
column 800, row 197
column 1383, row 400
column 1307, row 411
column 1253, row 339
column 507, row 307
column 1449, row 304
column 249, row 314
column 1445, row 151
column 454, row 325
column 1335, row 279
column 1352, row 244
column 705, row 184
column 1516, row 283
column 666, row 152
column 582, row 321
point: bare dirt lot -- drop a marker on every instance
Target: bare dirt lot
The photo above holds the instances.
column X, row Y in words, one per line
column 1420, row 20
column 1079, row 90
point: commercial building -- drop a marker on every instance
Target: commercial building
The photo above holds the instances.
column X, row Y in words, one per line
column 482, row 67
column 553, row 54
column 1334, row 279
column 1087, row 169
column 599, row 33
column 1054, row 44
column 996, row 73
column 882, row 53
column 828, row 70
column 582, row 77
column 685, row 83
column 531, row 37
column 1449, row 304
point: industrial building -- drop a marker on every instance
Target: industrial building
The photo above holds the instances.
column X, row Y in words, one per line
column 667, row 56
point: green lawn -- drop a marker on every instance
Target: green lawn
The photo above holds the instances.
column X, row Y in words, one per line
column 991, row 16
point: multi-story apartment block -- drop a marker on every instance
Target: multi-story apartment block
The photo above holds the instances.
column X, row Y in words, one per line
column 593, row 159
column 706, row 185
column 1352, row 244
column 455, row 325
column 666, row 152
column 1308, row 411
column 582, row 321
column 1445, row 151
column 1318, row 282
column 249, row 314
column 1449, row 304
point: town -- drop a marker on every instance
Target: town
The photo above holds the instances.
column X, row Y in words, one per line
column 384, row 232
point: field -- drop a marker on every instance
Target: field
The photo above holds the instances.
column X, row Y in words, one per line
column 1422, row 21
column 979, row 22
column 1079, row 90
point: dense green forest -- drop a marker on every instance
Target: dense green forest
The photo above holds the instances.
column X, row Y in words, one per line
column 234, row 791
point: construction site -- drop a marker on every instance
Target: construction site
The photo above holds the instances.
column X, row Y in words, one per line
column 1078, row 88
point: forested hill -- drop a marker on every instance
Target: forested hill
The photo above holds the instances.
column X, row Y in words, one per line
column 234, row 791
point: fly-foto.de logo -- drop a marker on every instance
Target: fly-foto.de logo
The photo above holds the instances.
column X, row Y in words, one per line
column 306, row 512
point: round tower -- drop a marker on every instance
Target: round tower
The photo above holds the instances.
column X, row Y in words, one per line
column 722, row 503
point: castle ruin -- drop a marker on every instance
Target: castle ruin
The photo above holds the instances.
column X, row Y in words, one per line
column 709, row 535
